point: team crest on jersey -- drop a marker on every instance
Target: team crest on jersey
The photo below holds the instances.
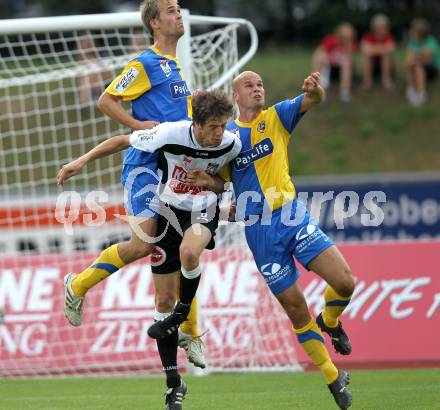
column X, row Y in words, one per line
column 186, row 161
column 165, row 66
column 261, row 126
column 211, row 168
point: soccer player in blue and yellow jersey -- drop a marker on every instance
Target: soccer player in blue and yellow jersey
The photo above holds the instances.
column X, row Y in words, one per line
column 279, row 227
column 282, row 227
column 154, row 84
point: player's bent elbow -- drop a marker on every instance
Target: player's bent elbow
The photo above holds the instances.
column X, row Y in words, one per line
column 101, row 102
column 104, row 102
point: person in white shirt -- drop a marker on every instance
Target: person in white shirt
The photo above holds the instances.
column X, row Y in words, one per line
column 188, row 214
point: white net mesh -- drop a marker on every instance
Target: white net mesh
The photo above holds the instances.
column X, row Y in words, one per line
column 49, row 84
column 212, row 54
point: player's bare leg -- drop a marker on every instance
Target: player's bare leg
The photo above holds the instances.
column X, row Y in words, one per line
column 311, row 340
column 346, row 78
column 386, row 65
column 367, row 72
column 108, row 262
column 332, row 267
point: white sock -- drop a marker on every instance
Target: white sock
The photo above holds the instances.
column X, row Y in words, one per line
column 191, row 274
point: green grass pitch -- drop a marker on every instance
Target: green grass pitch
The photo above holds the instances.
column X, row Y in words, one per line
column 378, row 389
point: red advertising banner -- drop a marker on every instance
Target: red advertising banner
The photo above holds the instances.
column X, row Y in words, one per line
column 394, row 315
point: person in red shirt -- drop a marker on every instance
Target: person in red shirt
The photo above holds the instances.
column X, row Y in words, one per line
column 334, row 59
column 377, row 48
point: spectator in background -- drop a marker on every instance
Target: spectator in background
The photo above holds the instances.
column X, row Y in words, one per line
column 377, row 48
column 139, row 42
column 93, row 73
column 422, row 61
column 334, row 59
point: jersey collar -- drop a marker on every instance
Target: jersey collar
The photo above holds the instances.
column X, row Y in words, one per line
column 249, row 124
column 192, row 136
column 169, row 56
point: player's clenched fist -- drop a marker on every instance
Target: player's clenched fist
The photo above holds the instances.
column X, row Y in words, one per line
column 311, row 82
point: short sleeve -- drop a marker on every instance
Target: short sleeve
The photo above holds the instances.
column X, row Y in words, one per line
column 150, row 140
column 236, row 149
column 131, row 83
column 289, row 112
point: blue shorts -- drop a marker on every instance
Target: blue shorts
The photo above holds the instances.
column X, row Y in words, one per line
column 291, row 231
column 140, row 183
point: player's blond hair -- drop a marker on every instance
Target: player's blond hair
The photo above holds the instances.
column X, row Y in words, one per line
column 150, row 10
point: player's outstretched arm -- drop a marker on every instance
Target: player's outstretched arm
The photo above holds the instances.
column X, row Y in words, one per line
column 111, row 106
column 313, row 92
column 200, row 178
column 108, row 147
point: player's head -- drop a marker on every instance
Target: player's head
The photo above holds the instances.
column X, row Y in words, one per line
column 162, row 17
column 346, row 33
column 380, row 25
column 210, row 112
column 249, row 91
column 420, row 29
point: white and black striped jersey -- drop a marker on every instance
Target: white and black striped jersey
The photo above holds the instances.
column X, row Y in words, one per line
column 179, row 153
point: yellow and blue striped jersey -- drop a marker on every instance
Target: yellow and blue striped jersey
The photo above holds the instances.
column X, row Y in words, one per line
column 155, row 86
column 260, row 173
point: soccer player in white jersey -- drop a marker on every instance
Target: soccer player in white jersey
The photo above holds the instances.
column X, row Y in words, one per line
column 154, row 84
column 188, row 215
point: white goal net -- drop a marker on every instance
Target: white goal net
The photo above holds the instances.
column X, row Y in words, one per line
column 51, row 72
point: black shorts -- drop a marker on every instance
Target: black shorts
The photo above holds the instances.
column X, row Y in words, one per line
column 335, row 72
column 166, row 256
column 431, row 71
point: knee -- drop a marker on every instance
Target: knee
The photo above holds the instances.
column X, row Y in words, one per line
column 346, row 283
column 165, row 301
column 188, row 256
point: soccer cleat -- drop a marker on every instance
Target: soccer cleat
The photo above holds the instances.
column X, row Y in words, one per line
column 194, row 349
column 174, row 397
column 169, row 325
column 339, row 390
column 339, row 338
column 73, row 305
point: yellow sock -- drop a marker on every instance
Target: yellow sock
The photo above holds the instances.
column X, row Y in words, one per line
column 334, row 306
column 108, row 262
column 190, row 326
column 311, row 340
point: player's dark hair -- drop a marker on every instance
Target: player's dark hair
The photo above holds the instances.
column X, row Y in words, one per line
column 150, row 10
column 210, row 104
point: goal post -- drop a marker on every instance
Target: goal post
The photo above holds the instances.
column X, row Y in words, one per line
column 51, row 72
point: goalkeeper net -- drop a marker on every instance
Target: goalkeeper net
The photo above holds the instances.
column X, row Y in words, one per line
column 52, row 71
